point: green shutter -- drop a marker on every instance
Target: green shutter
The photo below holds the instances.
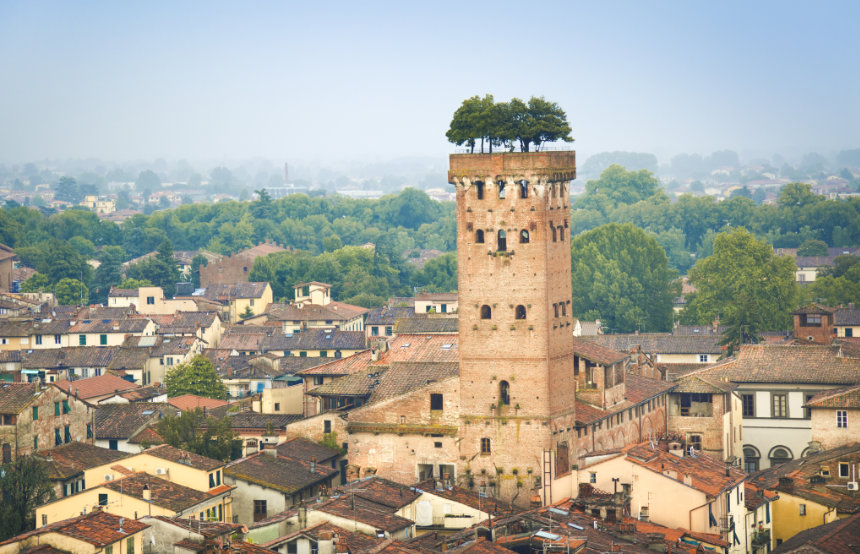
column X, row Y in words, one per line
column 35, row 413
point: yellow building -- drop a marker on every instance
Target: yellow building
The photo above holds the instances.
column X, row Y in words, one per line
column 140, row 494
column 239, row 298
column 94, row 532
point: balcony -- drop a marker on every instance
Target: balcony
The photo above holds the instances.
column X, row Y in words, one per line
column 760, row 538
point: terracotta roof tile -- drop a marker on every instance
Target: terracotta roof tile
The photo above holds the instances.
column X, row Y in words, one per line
column 357, row 384
column 253, row 420
column 356, row 508
column 705, row 473
column 703, row 384
column 662, row 343
column 75, row 356
column 75, row 457
column 121, row 421
column 98, row 528
column 14, row 397
column 421, row 348
column 847, row 316
column 464, row 496
column 341, row 366
column 96, row 386
column 354, row 542
column 640, row 389
column 844, row 397
column 383, row 492
column 300, row 448
column 437, row 325
column 125, row 325
column 597, row 353
column 165, row 494
column 282, row 474
column 403, row 377
column 209, row 529
column 173, row 454
column 788, row 364
column 226, row 292
column 388, row 316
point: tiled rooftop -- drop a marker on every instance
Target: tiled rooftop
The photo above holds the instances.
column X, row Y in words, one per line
column 794, row 364
column 661, row 343
column 75, row 457
column 597, row 353
column 341, row 366
column 403, row 377
column 98, row 528
column 282, row 474
column 125, row 325
column 706, row 474
column 253, row 420
column 226, row 292
column 166, row 494
column 418, row 324
column 14, row 397
column 844, row 397
column 173, row 454
column 96, row 386
column 421, row 348
column 74, row 357
column 356, row 384
column 838, row 537
column 121, row 421
column 388, row 316
column 300, row 448
column 187, row 402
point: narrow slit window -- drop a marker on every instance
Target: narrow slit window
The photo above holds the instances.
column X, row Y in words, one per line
column 479, row 189
column 554, row 234
column 505, row 393
column 524, row 189
column 555, row 309
column 501, row 190
column 503, row 241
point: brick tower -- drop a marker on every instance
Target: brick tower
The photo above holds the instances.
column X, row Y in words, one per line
column 517, row 386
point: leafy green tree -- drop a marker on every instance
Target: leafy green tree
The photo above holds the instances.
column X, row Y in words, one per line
column 797, row 195
column 85, row 247
column 540, row 121
column 197, row 376
column 24, row 484
column 67, row 190
column 263, row 208
column 147, row 180
column 109, row 273
column 743, row 277
column 160, row 269
column 197, row 262
column 471, row 122
column 247, row 313
column 812, row 247
column 129, row 283
column 439, row 274
column 621, row 276
column 618, row 186
column 71, row 292
column 194, row 432
column 37, row 283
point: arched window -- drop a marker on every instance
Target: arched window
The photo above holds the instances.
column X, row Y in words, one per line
column 554, row 235
column 779, row 455
column 485, row 446
column 479, row 236
column 524, row 189
column 504, row 393
column 555, row 309
column 486, row 312
column 520, row 312
column 479, row 189
column 501, row 189
column 503, row 242
column 524, row 236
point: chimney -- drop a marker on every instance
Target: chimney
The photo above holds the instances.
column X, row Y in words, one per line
column 147, row 494
column 303, row 516
column 324, row 543
column 716, row 323
column 313, row 464
column 271, row 450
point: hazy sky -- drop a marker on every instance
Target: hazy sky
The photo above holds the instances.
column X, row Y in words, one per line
column 324, row 80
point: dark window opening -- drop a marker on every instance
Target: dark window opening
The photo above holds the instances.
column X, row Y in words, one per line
column 501, row 190
column 813, row 320
column 520, row 312
column 555, row 309
column 503, row 242
column 103, row 499
column 485, row 446
column 259, row 510
column 561, row 233
column 436, row 401
column 524, row 237
column 505, row 393
column 748, row 403
column 554, row 234
column 479, row 236
column 563, row 309
column 479, row 188
column 486, row 312
column 524, row 189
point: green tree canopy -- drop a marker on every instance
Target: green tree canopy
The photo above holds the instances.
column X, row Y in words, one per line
column 617, row 186
column 745, row 284
column 194, row 432
column 72, row 292
column 129, row 283
column 812, row 247
column 504, row 123
column 24, row 484
column 197, row 376
column 160, row 269
column 621, row 276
